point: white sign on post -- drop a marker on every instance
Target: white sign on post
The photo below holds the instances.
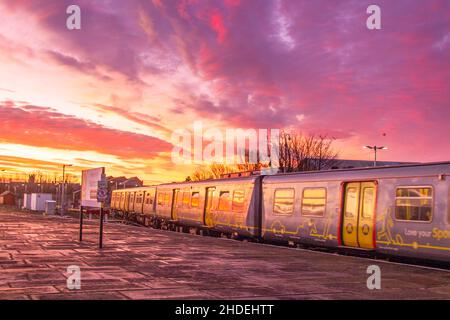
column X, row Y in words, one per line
column 89, row 185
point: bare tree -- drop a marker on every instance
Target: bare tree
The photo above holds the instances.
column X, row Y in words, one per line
column 217, row 170
column 297, row 152
column 213, row 171
column 305, row 153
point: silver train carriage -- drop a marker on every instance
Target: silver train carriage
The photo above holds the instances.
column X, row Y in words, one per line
column 398, row 210
column 229, row 206
column 394, row 210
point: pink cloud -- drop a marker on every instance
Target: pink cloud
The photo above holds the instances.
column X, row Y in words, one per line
column 44, row 127
column 217, row 24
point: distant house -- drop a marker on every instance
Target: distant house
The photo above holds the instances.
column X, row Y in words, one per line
column 132, row 182
column 7, row 198
column 123, row 182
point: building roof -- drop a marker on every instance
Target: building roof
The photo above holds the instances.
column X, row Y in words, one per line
column 6, row 193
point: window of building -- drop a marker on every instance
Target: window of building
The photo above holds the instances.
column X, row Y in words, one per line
column 313, row 202
column 224, row 201
column 195, row 199
column 414, row 203
column 283, row 202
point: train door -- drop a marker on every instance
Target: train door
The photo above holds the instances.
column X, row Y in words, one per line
column 174, row 210
column 358, row 215
column 131, row 201
column 121, row 199
column 127, row 201
column 208, row 221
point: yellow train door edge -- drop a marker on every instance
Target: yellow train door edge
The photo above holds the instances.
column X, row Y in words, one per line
column 209, row 196
column 358, row 214
column 174, row 208
column 367, row 224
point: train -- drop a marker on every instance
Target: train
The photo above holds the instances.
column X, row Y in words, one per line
column 398, row 211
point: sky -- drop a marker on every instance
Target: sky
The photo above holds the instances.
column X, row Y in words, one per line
column 112, row 93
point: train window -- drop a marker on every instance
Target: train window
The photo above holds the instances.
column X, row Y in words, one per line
column 238, row 200
column 283, row 202
column 179, row 200
column 351, row 202
column 167, row 199
column 224, row 201
column 195, row 198
column 313, row 202
column 414, row 204
column 186, row 199
column 148, row 199
column 160, row 198
column 368, row 205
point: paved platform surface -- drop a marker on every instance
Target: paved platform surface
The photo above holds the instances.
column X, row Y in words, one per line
column 143, row 263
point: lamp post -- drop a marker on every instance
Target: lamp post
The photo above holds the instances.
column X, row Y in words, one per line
column 63, row 189
column 7, row 180
column 375, row 148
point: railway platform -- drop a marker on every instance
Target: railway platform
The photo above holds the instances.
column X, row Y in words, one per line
column 144, row 263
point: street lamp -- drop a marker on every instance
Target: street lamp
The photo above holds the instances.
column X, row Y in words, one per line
column 375, row 148
column 5, row 180
column 63, row 188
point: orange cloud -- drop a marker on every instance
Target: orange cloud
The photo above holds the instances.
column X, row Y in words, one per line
column 44, row 127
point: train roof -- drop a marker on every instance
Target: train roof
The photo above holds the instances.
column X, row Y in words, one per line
column 390, row 171
column 134, row 189
column 212, row 181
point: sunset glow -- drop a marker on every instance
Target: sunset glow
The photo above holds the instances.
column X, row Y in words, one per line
column 112, row 93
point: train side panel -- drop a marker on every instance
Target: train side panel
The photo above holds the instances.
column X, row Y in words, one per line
column 163, row 208
column 236, row 208
column 305, row 213
column 189, row 205
column 413, row 218
column 149, row 202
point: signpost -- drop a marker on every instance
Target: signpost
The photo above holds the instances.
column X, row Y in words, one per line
column 102, row 195
column 94, row 193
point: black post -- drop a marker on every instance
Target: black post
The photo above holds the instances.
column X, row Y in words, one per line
column 81, row 223
column 100, row 244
